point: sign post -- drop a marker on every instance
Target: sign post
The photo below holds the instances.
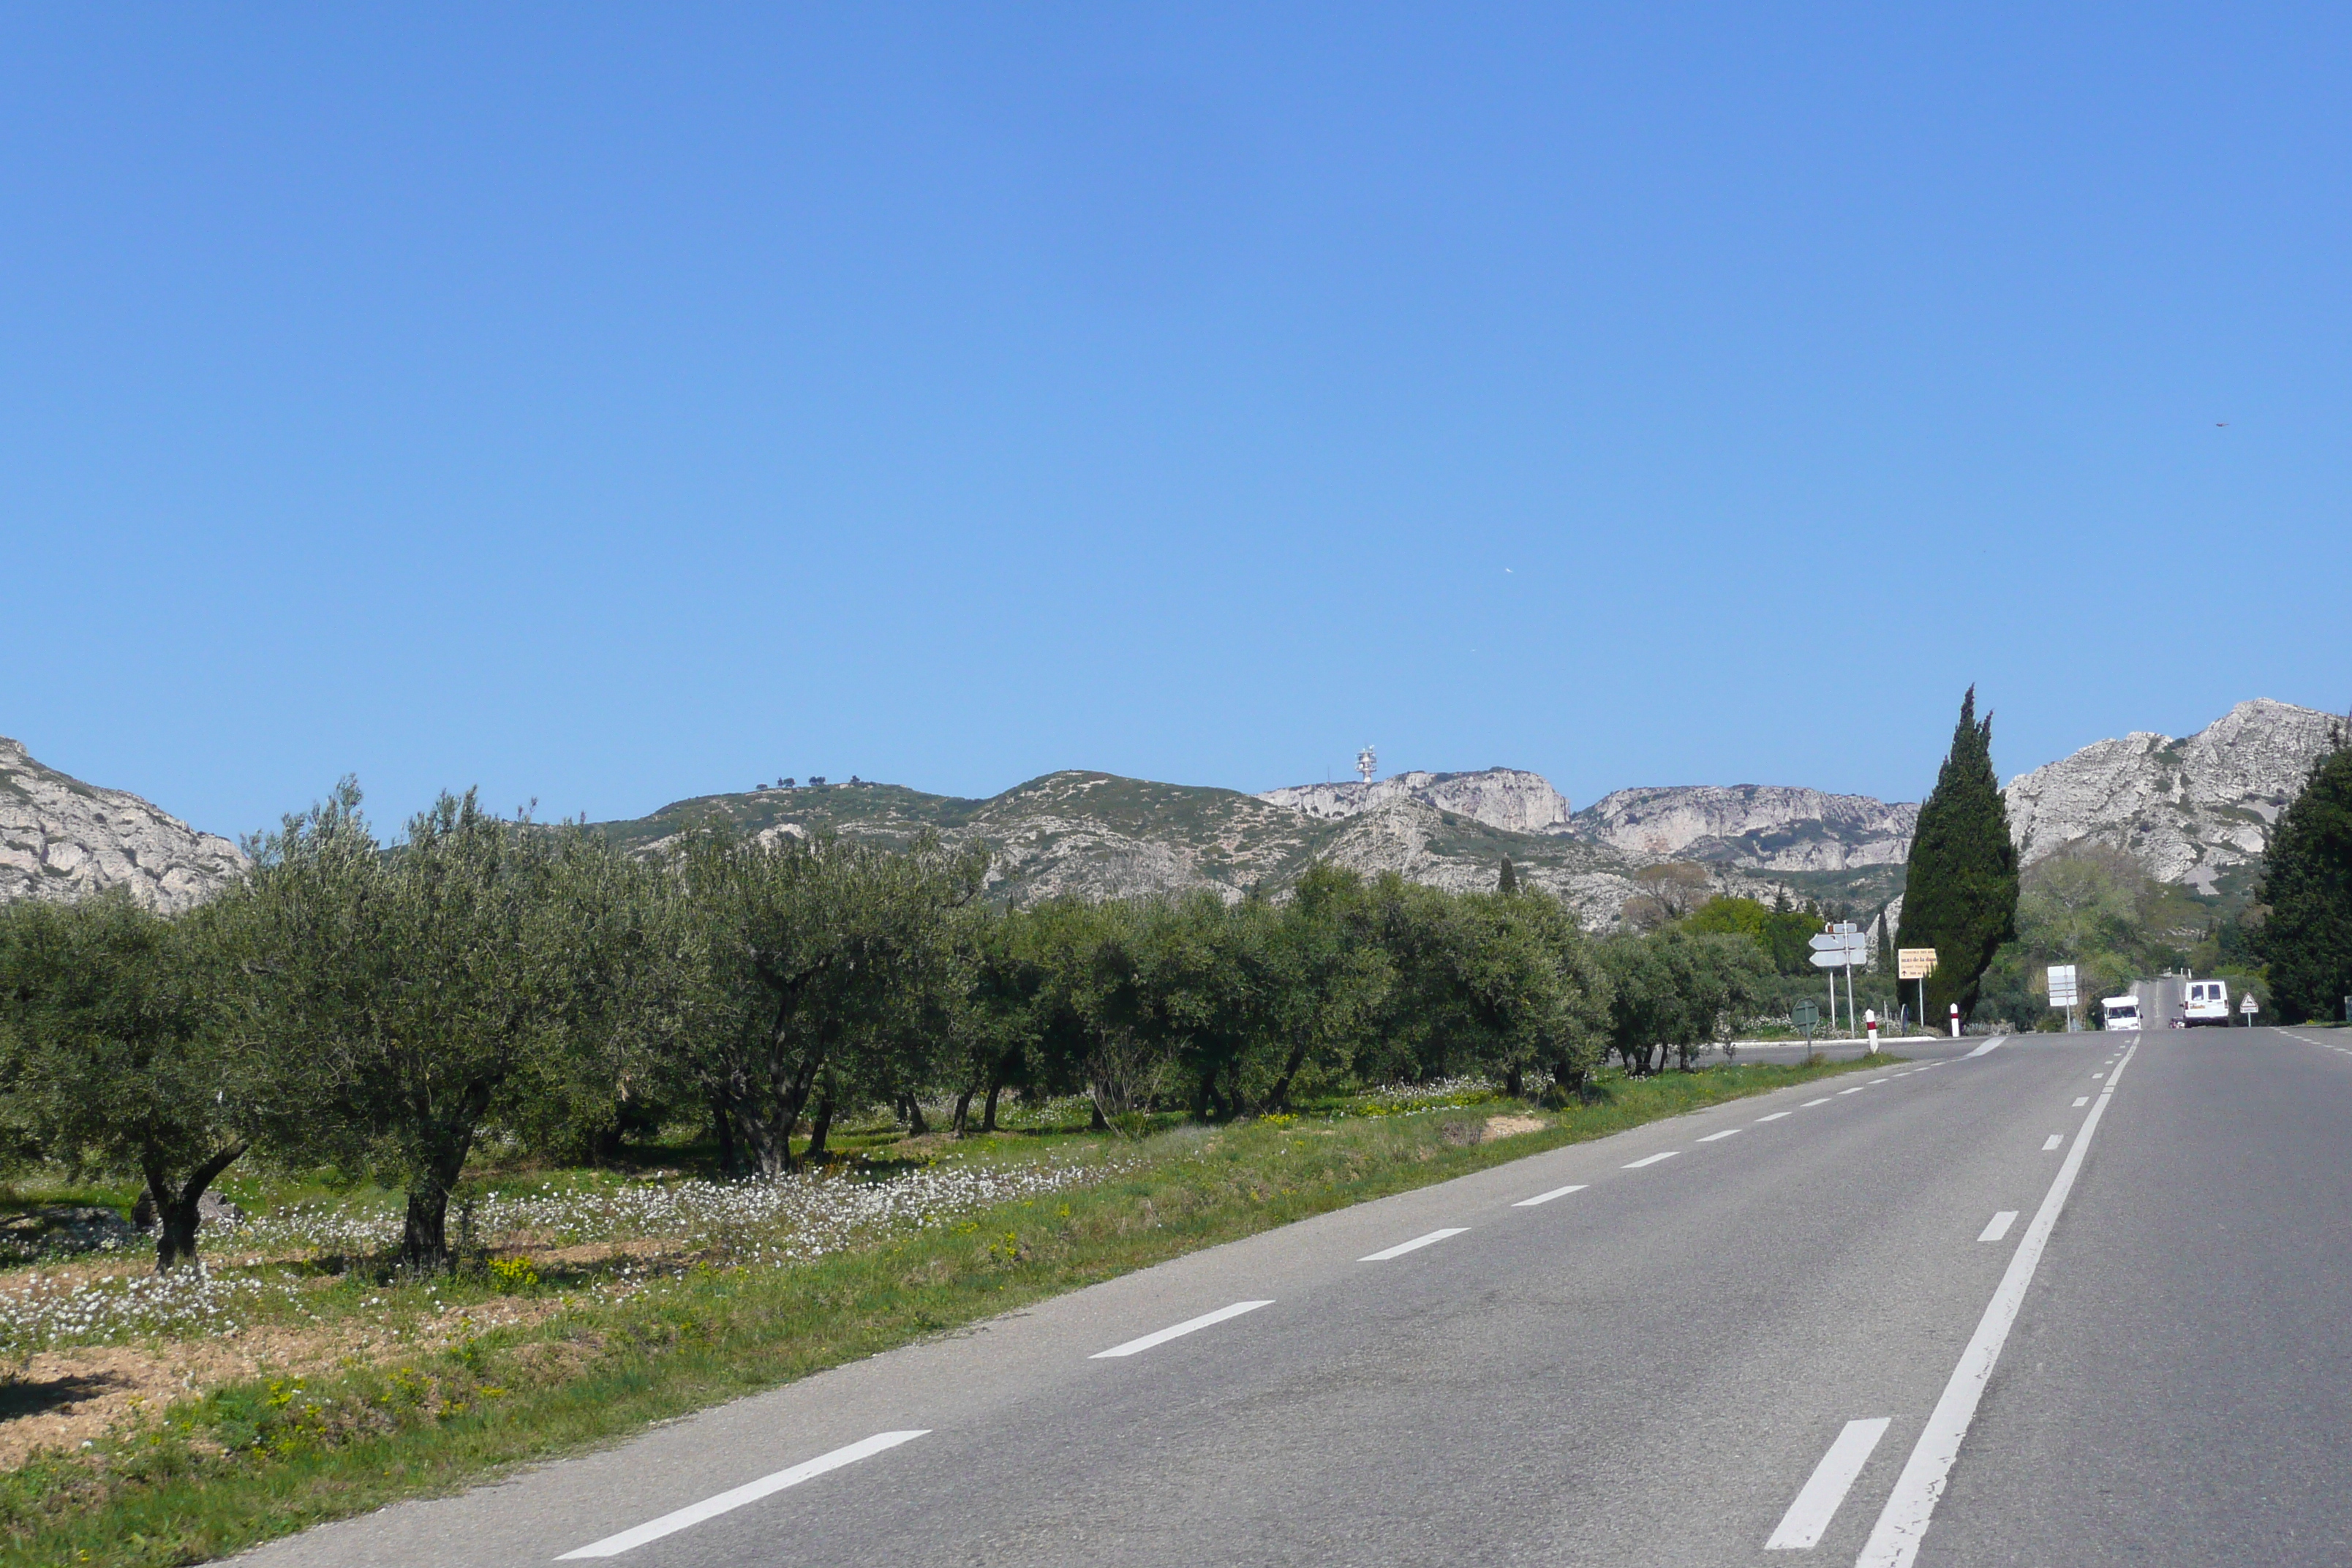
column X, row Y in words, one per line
column 1917, row 963
column 2249, row 1007
column 1842, row 946
column 1805, row 1016
column 2061, row 991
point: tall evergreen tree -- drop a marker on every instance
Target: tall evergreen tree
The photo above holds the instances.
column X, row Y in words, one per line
column 1508, row 882
column 1959, row 893
column 2307, row 883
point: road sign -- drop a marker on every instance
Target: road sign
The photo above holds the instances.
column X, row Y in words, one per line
column 1835, row 950
column 1914, row 963
column 2061, row 985
column 1804, row 1015
column 2249, row 1007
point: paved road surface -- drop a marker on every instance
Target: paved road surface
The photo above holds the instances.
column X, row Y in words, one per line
column 1775, row 1320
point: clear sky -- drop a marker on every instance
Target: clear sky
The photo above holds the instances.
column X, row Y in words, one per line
column 604, row 405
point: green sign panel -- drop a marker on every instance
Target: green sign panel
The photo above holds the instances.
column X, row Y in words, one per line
column 1804, row 1015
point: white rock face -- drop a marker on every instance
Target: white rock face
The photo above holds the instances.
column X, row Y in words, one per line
column 62, row 839
column 1770, row 828
column 2190, row 810
column 1508, row 798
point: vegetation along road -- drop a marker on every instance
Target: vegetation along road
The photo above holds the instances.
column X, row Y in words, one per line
column 2047, row 1300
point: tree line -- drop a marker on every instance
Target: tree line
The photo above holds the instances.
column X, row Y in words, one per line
column 380, row 1010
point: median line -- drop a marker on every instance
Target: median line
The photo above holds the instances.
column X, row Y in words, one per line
column 1418, row 1242
column 1902, row 1522
column 1546, row 1197
column 1800, row 1528
column 1179, row 1330
column 728, row 1501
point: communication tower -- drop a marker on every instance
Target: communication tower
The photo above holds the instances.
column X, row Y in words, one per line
column 1367, row 764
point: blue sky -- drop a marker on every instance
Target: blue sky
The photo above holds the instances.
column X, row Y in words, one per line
column 607, row 405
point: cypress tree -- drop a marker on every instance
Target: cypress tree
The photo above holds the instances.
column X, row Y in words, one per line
column 1508, row 882
column 2307, row 883
column 1960, row 894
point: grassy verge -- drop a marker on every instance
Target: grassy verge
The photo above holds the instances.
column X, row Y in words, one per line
column 266, row 1457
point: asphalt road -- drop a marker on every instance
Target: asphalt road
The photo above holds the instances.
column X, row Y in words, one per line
column 2072, row 1298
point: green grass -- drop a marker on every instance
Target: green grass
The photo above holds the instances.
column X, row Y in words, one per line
column 250, row 1461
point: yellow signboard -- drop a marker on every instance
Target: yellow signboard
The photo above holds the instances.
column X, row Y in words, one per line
column 1914, row 963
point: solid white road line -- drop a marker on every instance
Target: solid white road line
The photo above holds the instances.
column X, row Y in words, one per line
column 1726, row 1132
column 1802, row 1526
column 1991, row 1045
column 1811, row 1103
column 1653, row 1159
column 1902, row 1522
column 2053, row 1141
column 1774, row 1117
column 2081, row 1100
column 1546, row 1197
column 1418, row 1242
column 712, row 1508
column 1180, row 1330
column 1997, row 1226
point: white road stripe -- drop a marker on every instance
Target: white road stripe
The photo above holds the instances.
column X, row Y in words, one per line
column 1997, row 1226
column 1726, row 1132
column 1857, row 1088
column 1994, row 1044
column 2081, row 1101
column 2053, row 1141
column 1653, row 1159
column 1418, row 1242
column 1774, row 1117
column 1902, row 1522
column 1802, row 1526
column 1546, row 1197
column 712, row 1508
column 1811, row 1103
column 1180, row 1330
column 2097, row 1076
column 1878, row 1081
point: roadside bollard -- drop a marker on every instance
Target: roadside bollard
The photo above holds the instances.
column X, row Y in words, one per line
column 1870, row 1022
column 1956, row 1020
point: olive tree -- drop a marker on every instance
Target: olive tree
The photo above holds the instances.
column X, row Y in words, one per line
column 399, row 999
column 112, row 1054
column 821, row 964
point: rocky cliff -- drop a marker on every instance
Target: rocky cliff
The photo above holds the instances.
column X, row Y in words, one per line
column 1767, row 827
column 2193, row 810
column 61, row 839
column 1508, row 798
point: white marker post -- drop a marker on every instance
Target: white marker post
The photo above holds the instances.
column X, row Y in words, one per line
column 1870, row 1021
column 1956, row 1020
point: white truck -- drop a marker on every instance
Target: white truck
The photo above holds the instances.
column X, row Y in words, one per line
column 2120, row 1011
column 2205, row 1002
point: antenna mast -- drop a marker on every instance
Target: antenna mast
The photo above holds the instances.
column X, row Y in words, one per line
column 1367, row 764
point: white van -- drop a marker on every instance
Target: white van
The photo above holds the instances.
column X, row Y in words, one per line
column 2121, row 1012
column 2205, row 1002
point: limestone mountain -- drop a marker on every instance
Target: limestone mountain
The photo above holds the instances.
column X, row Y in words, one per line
column 1508, row 798
column 61, row 839
column 2194, row 811
column 1763, row 828
column 1096, row 835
